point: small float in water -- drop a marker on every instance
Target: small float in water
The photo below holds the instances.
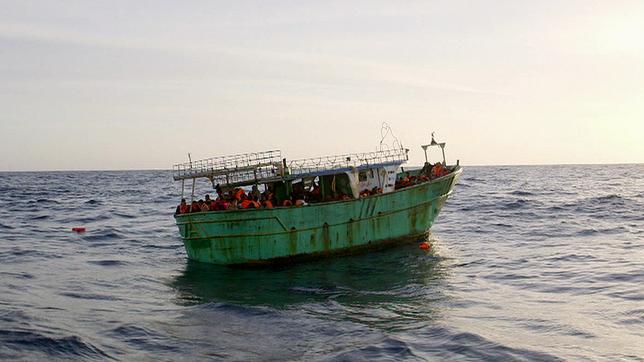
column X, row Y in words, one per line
column 316, row 207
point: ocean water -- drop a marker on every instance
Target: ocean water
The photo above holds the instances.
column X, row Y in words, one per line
column 527, row 263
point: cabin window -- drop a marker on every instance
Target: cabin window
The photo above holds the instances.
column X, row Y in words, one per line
column 362, row 176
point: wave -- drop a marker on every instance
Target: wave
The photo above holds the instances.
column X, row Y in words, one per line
column 104, row 235
column 59, row 347
column 610, row 230
column 142, row 338
column 124, row 215
column 90, row 296
column 520, row 203
column 39, row 217
column 521, row 193
column 387, row 349
column 107, row 262
column 448, row 344
column 47, row 201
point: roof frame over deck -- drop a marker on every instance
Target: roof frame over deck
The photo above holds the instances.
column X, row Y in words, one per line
column 269, row 166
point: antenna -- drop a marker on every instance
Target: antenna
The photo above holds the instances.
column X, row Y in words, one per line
column 385, row 130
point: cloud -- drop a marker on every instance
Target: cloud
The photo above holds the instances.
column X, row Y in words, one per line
column 268, row 63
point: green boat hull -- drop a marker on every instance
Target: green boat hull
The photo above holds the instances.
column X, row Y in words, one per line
column 258, row 236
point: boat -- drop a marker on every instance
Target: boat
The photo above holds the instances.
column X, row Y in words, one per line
column 362, row 201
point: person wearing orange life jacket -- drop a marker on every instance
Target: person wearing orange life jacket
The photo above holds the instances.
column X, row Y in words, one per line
column 238, row 194
column 245, row 204
column 437, row 170
column 249, row 204
column 404, row 182
column 183, row 207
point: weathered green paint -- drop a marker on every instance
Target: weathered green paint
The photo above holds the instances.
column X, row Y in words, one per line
column 263, row 235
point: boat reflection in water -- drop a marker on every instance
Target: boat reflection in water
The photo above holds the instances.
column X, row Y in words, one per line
column 402, row 280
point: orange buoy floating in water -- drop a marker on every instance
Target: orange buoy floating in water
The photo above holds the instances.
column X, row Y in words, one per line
column 424, row 245
column 79, row 229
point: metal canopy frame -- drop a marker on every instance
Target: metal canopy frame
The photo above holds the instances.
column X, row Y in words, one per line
column 269, row 166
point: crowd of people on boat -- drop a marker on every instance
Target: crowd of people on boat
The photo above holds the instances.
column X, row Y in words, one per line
column 238, row 198
column 429, row 172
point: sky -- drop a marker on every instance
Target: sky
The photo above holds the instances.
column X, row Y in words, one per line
column 117, row 85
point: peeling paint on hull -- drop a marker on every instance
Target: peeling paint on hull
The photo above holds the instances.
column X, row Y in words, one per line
column 258, row 236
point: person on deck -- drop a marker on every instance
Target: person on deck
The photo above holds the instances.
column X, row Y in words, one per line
column 203, row 206
column 439, row 170
column 254, row 192
column 239, row 194
column 182, row 208
column 267, row 203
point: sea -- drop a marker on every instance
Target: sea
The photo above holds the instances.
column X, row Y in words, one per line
column 527, row 263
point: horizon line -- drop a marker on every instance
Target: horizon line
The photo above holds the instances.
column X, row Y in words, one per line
column 473, row 165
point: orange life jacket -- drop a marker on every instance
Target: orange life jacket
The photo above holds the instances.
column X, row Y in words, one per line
column 245, row 204
column 437, row 170
column 238, row 194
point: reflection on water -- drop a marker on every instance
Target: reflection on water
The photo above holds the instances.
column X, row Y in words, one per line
column 401, row 282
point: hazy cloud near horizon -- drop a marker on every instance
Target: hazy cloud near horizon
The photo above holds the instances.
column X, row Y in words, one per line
column 132, row 85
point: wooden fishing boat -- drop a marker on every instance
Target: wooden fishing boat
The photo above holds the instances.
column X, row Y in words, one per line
column 357, row 221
